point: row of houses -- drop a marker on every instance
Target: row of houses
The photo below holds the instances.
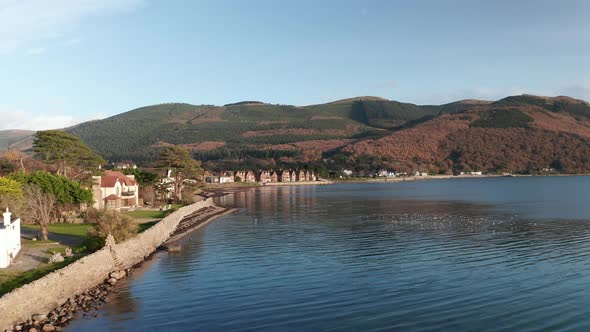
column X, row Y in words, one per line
column 383, row 173
column 267, row 176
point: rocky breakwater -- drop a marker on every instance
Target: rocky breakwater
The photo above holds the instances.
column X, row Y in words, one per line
column 87, row 304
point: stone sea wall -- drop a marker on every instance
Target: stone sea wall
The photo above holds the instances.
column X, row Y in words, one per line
column 54, row 289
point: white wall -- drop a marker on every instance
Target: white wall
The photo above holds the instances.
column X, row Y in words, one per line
column 9, row 242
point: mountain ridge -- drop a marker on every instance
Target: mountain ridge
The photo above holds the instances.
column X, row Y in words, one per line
column 361, row 132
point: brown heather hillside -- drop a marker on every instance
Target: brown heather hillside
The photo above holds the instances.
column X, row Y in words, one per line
column 511, row 135
column 516, row 134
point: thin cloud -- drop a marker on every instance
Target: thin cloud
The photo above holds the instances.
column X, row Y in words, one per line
column 72, row 41
column 36, row 51
column 28, row 121
column 25, row 21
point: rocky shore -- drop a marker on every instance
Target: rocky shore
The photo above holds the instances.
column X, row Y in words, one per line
column 49, row 303
column 193, row 222
column 87, row 303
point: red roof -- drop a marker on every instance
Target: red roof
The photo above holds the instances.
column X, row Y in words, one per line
column 110, row 179
column 112, row 197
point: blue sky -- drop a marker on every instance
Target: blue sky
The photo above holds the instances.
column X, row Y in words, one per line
column 66, row 61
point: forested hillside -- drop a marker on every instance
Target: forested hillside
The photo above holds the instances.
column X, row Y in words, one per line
column 250, row 132
column 516, row 134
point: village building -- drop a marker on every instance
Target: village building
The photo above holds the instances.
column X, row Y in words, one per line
column 471, row 173
column 250, row 177
column 300, row 176
column 240, row 176
column 285, row 176
column 274, row 176
column 226, row 177
column 115, row 191
column 263, row 177
column 9, row 239
column 212, row 179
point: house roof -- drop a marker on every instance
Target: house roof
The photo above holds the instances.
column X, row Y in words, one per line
column 110, row 178
column 112, row 197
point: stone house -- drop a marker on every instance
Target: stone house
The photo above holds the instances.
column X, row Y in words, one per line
column 240, row 176
column 246, row 176
column 300, row 176
column 274, row 176
column 264, row 177
column 285, row 176
column 115, row 190
column 9, row 239
column 250, row 176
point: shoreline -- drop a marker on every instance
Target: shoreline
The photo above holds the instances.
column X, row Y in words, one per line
column 51, row 302
column 217, row 190
column 181, row 234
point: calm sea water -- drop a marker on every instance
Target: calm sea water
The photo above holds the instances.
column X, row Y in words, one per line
column 503, row 254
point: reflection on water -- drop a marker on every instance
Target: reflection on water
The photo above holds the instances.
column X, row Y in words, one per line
column 461, row 255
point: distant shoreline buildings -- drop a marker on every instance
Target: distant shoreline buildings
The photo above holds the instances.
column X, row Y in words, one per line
column 262, row 176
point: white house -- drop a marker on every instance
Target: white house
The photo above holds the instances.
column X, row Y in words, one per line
column 9, row 239
column 115, row 190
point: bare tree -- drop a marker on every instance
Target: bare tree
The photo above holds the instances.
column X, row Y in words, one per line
column 39, row 207
column 16, row 157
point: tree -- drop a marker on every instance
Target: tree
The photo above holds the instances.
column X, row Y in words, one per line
column 65, row 151
column 184, row 168
column 68, row 194
column 39, row 207
column 16, row 157
column 106, row 222
column 11, row 195
column 143, row 178
column 6, row 166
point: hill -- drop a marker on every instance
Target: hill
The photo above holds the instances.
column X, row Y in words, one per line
column 245, row 131
column 518, row 133
column 16, row 139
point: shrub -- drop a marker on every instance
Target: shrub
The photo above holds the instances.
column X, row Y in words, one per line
column 120, row 226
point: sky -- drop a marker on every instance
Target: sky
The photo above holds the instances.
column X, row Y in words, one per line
column 67, row 61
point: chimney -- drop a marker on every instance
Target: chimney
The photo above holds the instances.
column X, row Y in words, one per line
column 7, row 217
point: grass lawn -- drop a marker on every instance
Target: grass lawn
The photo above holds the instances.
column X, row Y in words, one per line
column 147, row 214
column 10, row 280
column 146, row 225
column 65, row 229
column 152, row 214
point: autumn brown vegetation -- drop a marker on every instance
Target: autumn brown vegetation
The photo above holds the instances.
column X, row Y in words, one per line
column 362, row 133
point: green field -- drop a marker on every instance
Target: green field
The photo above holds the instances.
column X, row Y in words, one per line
column 64, row 229
column 152, row 214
